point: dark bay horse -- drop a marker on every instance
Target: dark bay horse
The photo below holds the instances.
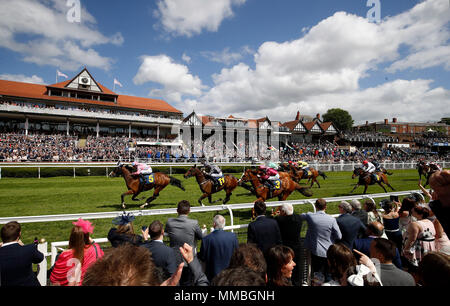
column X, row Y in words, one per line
column 135, row 186
column 366, row 179
column 263, row 192
column 229, row 183
column 298, row 174
column 426, row 170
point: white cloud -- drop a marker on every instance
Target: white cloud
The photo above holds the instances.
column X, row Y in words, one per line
column 225, row 56
column 22, row 78
column 186, row 58
column 175, row 78
column 324, row 67
column 54, row 40
column 188, row 18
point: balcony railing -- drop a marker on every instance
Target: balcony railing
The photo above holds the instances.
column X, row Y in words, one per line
column 86, row 114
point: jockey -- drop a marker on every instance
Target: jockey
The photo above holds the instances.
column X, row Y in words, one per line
column 270, row 175
column 435, row 167
column 369, row 168
column 377, row 165
column 212, row 171
column 142, row 168
column 302, row 164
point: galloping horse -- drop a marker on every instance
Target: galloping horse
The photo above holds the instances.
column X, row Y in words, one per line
column 286, row 187
column 426, row 170
column 366, row 179
column 136, row 186
column 298, row 174
column 228, row 184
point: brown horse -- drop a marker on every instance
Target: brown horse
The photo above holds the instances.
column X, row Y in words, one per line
column 229, row 183
column 135, row 186
column 367, row 179
column 426, row 170
column 299, row 174
column 286, row 187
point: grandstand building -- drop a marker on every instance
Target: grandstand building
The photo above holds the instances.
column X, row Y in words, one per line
column 83, row 107
column 305, row 129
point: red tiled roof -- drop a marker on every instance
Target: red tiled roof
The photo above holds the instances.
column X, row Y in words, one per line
column 35, row 91
column 325, row 125
column 291, row 124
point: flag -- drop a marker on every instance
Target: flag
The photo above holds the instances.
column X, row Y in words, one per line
column 117, row 82
column 60, row 74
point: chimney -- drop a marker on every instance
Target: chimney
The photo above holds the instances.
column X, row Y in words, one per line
column 298, row 116
column 394, row 120
column 386, row 121
column 318, row 116
column 367, row 122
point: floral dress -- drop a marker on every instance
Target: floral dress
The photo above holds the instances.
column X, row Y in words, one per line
column 424, row 243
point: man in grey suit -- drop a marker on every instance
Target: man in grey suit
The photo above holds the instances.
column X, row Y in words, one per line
column 384, row 250
column 183, row 230
column 322, row 232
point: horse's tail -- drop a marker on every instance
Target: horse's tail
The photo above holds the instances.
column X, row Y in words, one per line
column 176, row 182
column 322, row 174
column 389, row 173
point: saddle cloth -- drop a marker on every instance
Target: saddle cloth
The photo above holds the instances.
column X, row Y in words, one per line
column 148, row 178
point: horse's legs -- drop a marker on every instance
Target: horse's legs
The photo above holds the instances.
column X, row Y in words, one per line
column 317, row 181
column 379, row 183
column 201, row 198
column 365, row 188
column 123, row 196
column 356, row 186
column 227, row 197
column 152, row 198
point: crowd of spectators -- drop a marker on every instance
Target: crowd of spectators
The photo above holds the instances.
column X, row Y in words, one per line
column 350, row 250
column 58, row 147
column 85, row 109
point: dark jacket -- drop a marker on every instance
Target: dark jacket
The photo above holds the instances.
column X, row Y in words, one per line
column 163, row 256
column 216, row 251
column 16, row 265
column 264, row 232
column 350, row 227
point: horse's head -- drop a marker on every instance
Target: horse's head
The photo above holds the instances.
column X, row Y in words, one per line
column 117, row 171
column 245, row 177
column 357, row 172
column 191, row 172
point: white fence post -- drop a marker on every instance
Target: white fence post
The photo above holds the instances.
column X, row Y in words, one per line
column 42, row 266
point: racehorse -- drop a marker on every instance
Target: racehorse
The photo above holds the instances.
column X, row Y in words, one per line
column 136, row 186
column 426, row 170
column 228, row 184
column 298, row 174
column 367, row 179
column 286, row 186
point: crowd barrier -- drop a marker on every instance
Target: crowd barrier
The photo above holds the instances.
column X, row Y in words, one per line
column 43, row 247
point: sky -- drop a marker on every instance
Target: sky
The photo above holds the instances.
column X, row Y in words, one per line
column 376, row 59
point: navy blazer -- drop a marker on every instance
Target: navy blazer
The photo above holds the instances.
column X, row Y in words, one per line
column 216, row 251
column 163, row 256
column 264, row 232
column 350, row 227
column 363, row 245
column 16, row 265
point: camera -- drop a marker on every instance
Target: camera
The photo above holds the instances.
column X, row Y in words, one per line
column 144, row 228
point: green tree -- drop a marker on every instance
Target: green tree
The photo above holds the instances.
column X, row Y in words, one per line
column 445, row 120
column 340, row 118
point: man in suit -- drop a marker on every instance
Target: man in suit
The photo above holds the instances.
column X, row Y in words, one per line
column 264, row 232
column 163, row 256
column 217, row 248
column 290, row 225
column 358, row 212
column 322, row 232
column 384, row 250
column 183, row 230
column 17, row 259
column 374, row 230
column 349, row 225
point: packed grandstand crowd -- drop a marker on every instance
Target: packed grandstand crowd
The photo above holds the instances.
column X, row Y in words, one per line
column 39, row 147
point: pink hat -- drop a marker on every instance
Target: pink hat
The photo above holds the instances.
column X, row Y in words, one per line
column 85, row 225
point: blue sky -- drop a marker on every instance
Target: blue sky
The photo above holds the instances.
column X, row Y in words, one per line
column 249, row 58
